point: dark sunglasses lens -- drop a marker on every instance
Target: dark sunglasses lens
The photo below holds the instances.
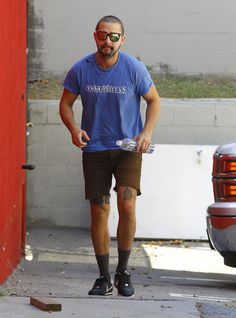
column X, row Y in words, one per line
column 114, row 37
column 102, row 35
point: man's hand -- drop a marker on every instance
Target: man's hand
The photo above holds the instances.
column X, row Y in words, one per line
column 78, row 136
column 143, row 141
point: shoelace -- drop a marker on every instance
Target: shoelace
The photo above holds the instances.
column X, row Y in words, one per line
column 125, row 278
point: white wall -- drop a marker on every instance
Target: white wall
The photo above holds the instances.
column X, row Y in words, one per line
column 185, row 36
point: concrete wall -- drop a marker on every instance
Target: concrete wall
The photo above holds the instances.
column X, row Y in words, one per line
column 196, row 121
column 187, row 36
column 56, row 186
column 55, row 193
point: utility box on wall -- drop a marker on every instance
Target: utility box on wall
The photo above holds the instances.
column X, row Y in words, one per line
column 13, row 35
column 176, row 190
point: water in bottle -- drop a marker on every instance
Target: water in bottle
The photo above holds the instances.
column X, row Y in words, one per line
column 130, row 145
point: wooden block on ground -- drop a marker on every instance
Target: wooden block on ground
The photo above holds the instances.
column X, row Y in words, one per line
column 45, row 304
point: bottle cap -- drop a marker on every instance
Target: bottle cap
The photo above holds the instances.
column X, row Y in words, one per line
column 119, row 143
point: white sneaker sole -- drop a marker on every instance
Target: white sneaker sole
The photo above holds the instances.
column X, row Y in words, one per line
column 125, row 296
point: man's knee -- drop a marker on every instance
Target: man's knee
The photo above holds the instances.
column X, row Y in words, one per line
column 126, row 195
column 127, row 200
column 100, row 201
column 100, row 207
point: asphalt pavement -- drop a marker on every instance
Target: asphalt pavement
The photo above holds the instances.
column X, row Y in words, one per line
column 171, row 279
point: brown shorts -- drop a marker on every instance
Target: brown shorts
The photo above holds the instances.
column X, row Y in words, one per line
column 99, row 167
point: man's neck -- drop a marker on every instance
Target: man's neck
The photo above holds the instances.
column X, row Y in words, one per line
column 106, row 62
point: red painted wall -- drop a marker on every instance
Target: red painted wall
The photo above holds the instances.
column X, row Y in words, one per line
column 12, row 132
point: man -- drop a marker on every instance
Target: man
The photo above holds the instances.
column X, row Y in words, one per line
column 110, row 84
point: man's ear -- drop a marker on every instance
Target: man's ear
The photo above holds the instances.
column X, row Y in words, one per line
column 123, row 38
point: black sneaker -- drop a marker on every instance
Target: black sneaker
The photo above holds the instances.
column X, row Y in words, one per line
column 102, row 287
column 123, row 283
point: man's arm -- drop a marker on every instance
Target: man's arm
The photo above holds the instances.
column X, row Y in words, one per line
column 152, row 114
column 67, row 116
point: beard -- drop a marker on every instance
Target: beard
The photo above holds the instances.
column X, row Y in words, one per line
column 107, row 53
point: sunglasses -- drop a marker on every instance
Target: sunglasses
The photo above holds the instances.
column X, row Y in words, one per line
column 102, row 36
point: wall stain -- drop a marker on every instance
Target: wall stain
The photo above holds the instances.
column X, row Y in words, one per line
column 35, row 43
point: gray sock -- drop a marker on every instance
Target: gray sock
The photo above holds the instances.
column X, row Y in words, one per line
column 103, row 265
column 123, row 258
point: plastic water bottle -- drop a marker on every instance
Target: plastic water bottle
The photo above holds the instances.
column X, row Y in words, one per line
column 130, row 145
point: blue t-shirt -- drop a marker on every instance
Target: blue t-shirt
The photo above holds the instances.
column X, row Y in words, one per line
column 110, row 99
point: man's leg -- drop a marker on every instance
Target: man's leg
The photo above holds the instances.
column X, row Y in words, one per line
column 100, row 208
column 126, row 200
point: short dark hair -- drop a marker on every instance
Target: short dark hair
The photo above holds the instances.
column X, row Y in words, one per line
column 112, row 19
